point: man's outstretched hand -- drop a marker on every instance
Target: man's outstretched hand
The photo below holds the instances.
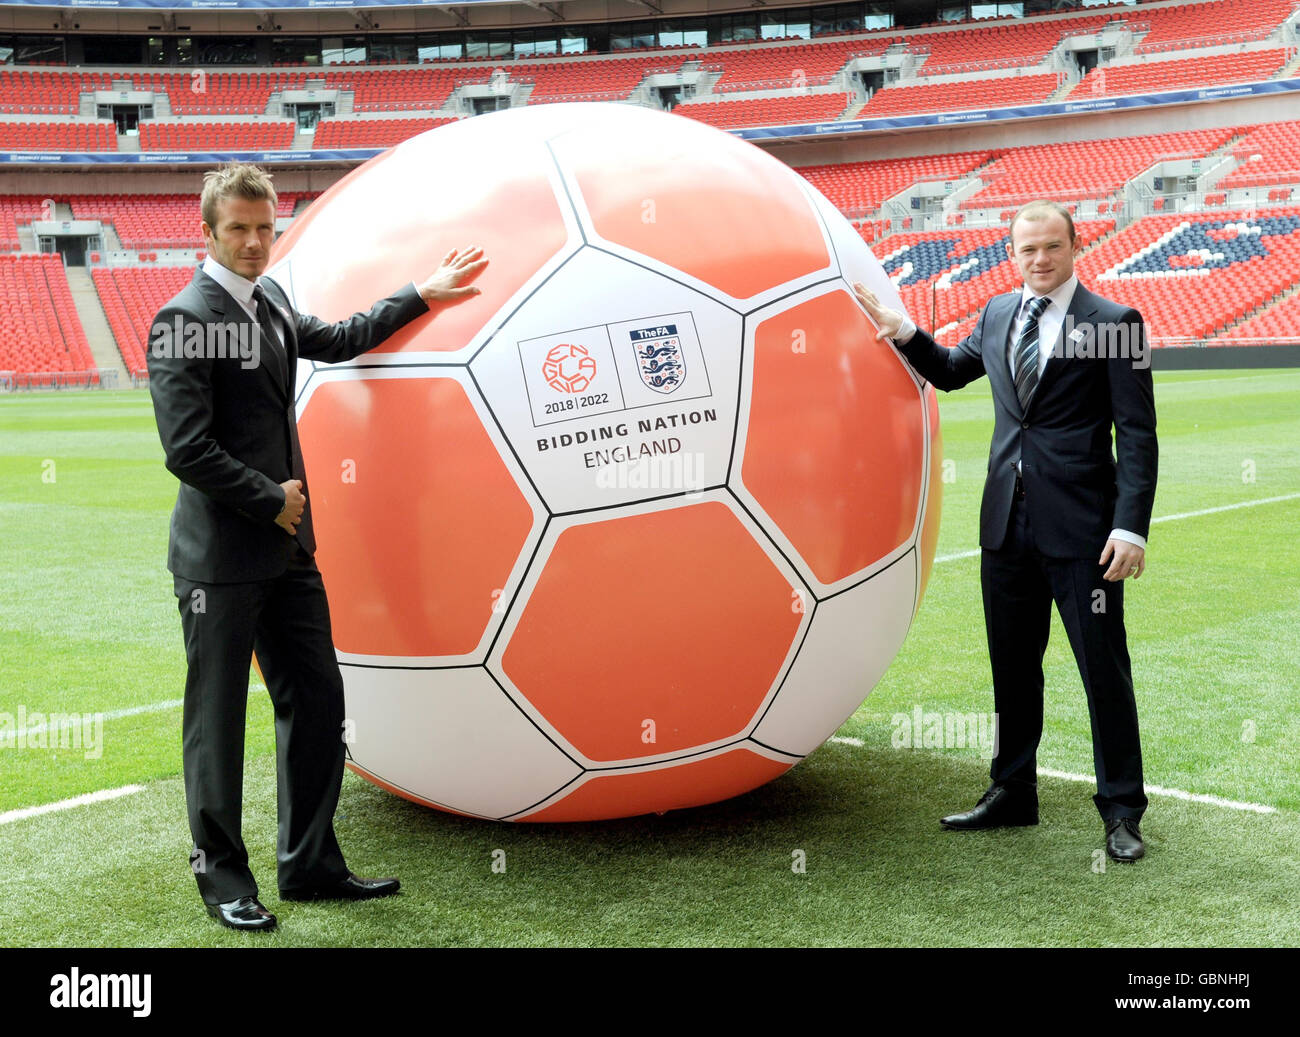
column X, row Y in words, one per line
column 294, row 501
column 450, row 282
column 890, row 322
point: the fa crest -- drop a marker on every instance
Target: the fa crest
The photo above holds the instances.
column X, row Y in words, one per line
column 659, row 358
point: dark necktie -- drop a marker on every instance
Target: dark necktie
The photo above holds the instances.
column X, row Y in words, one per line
column 306, row 535
column 269, row 334
column 1026, row 353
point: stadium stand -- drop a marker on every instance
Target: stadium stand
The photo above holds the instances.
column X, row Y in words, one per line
column 394, row 90
column 1084, row 169
column 1209, row 24
column 1193, row 274
column 220, row 93
column 1277, row 322
column 609, row 80
column 1214, row 270
column 132, row 297
column 40, row 332
column 1008, row 45
column 216, row 136
column 998, row 92
column 144, row 221
column 370, row 133
column 767, row 111
column 1277, row 146
column 47, row 93
column 858, row 188
column 16, row 209
column 1146, row 77
column 58, row 136
column 793, row 65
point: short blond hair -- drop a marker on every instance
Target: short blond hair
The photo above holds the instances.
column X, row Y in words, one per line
column 1040, row 210
column 234, row 180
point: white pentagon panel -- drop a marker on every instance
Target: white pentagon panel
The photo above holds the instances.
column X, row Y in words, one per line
column 635, row 401
column 856, row 260
column 452, row 730
column 854, row 637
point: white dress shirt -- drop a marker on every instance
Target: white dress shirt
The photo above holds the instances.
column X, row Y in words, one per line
column 238, row 286
column 1050, row 323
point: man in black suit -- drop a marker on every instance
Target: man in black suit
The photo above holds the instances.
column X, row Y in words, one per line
column 222, row 358
column 1061, row 518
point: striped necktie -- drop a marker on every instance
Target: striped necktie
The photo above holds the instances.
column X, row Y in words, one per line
column 1026, row 352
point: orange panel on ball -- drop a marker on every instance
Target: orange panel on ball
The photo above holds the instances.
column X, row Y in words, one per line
column 930, row 527
column 834, row 449
column 705, row 205
column 673, row 788
column 675, row 617
column 350, row 249
column 417, row 518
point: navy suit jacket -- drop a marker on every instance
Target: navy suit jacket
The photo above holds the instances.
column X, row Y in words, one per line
column 1076, row 490
column 229, row 430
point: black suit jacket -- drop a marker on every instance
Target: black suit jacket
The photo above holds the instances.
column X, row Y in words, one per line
column 228, row 427
column 1076, row 491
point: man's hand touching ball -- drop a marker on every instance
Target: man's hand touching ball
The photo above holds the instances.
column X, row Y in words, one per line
column 450, row 282
column 890, row 322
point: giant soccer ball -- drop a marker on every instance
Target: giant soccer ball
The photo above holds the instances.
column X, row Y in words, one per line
column 637, row 528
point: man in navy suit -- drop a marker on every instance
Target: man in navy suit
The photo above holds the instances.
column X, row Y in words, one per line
column 1061, row 519
column 222, row 358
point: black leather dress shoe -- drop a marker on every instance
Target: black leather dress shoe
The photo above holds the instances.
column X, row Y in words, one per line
column 1124, row 840
column 999, row 807
column 350, row 888
column 244, row 913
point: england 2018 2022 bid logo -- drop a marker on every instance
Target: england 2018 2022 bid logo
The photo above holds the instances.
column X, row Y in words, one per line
column 568, row 368
column 626, row 365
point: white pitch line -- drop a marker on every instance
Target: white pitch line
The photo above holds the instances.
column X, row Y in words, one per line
column 1162, row 518
column 115, row 714
column 131, row 711
column 1225, row 507
column 1154, row 790
column 67, row 804
column 1158, row 790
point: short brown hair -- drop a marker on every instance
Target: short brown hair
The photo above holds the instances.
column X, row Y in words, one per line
column 1040, row 210
column 234, row 180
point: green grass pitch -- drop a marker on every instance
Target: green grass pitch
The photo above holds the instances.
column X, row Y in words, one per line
column 88, row 624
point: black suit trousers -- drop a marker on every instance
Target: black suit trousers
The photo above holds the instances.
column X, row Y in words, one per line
column 286, row 620
column 1019, row 584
